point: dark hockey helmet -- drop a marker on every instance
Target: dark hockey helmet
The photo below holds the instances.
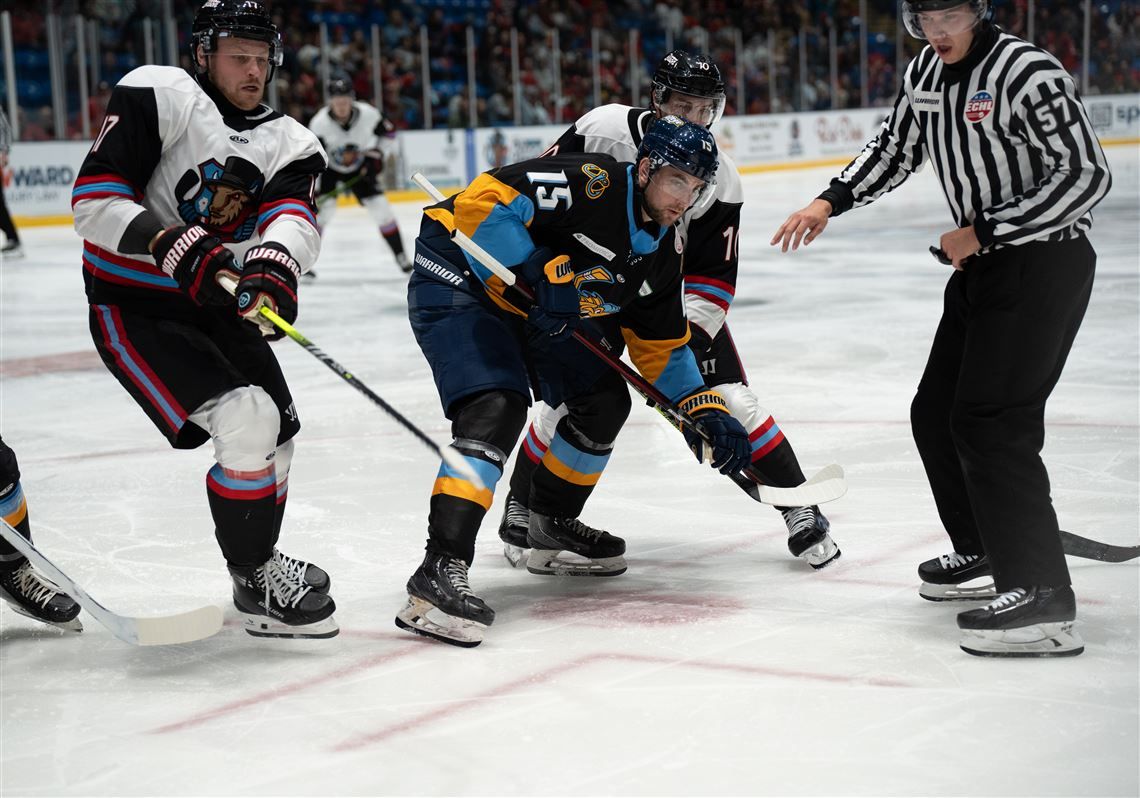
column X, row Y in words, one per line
column 694, row 75
column 340, row 86
column 921, row 16
column 239, row 19
column 676, row 142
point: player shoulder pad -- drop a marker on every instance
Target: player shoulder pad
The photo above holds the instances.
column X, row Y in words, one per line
column 157, row 77
column 369, row 115
column 728, row 185
column 607, row 129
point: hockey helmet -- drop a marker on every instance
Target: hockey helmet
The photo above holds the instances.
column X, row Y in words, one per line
column 239, row 19
column 925, row 17
column 693, row 75
column 340, row 86
column 672, row 141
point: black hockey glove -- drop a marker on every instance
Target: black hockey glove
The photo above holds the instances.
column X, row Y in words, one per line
column 196, row 259
column 373, row 166
column 731, row 451
column 268, row 279
column 556, row 309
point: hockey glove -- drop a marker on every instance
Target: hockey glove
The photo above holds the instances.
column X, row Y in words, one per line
column 556, row 309
column 373, row 167
column 196, row 259
column 269, row 279
column 731, row 451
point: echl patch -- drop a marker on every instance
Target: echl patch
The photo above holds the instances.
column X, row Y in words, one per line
column 979, row 106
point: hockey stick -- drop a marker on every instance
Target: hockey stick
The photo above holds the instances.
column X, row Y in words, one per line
column 453, row 459
column 1077, row 546
column 825, row 486
column 341, row 188
column 165, row 630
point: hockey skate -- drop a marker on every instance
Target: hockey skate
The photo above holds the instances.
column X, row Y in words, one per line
column 567, row 547
column 276, row 602
column 808, row 536
column 512, row 531
column 441, row 604
column 957, row 577
column 32, row 594
column 1033, row 621
column 314, row 577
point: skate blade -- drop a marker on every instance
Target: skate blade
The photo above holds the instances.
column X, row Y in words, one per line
column 424, row 618
column 1038, row 640
column 555, row 562
column 515, row 554
column 978, row 589
column 74, row 625
column 821, row 554
column 261, row 626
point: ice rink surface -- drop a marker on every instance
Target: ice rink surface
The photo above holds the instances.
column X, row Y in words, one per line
column 716, row 665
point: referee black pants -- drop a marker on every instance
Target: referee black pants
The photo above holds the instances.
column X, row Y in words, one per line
column 1008, row 323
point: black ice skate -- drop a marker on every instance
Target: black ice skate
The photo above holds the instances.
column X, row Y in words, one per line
column 512, row 530
column 957, row 577
column 275, row 602
column 1024, row 622
column 32, row 594
column 313, row 576
column 442, row 605
column 808, row 536
column 567, row 547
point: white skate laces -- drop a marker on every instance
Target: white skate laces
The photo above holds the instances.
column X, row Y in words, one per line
column 456, row 571
column 798, row 519
column 956, row 560
column 583, row 530
column 34, row 586
column 517, row 514
column 1005, row 600
column 280, row 584
column 293, row 568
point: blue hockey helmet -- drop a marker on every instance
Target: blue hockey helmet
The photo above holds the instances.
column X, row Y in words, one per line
column 689, row 147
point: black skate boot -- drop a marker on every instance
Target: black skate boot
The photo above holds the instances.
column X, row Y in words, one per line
column 957, row 577
column 442, row 605
column 276, row 602
column 512, row 530
column 567, row 547
column 808, row 536
column 32, row 594
column 313, row 576
column 1032, row 621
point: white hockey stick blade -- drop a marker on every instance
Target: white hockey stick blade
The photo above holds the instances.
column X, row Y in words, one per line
column 165, row 630
column 826, row 485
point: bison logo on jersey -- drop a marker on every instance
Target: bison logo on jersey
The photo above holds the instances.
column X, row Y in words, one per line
column 591, row 302
column 346, row 157
column 221, row 198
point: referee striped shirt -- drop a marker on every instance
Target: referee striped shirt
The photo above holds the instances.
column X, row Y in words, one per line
column 1007, row 134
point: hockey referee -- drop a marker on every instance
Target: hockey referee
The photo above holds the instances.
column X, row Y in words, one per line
column 1002, row 124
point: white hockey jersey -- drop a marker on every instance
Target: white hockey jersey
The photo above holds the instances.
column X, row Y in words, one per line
column 709, row 231
column 346, row 143
column 174, row 151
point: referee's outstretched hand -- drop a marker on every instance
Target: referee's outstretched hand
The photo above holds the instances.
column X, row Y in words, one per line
column 806, row 223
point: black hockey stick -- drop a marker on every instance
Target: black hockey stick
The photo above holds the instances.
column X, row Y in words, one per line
column 1077, row 546
column 164, row 630
column 447, row 454
column 825, row 486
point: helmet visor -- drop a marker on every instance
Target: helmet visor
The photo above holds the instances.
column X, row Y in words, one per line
column 703, row 111
column 939, row 23
column 679, row 186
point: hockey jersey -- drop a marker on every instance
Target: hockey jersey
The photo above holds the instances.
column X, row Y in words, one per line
column 346, row 142
column 709, row 231
column 627, row 272
column 173, row 151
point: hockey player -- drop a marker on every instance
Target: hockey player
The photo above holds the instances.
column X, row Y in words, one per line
column 10, row 244
column 352, row 133
column 28, row 591
column 190, row 179
column 688, row 86
column 594, row 238
column 1021, row 166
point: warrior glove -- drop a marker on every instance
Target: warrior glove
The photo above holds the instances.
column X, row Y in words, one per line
column 195, row 259
column 556, row 309
column 731, row 451
column 268, row 279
